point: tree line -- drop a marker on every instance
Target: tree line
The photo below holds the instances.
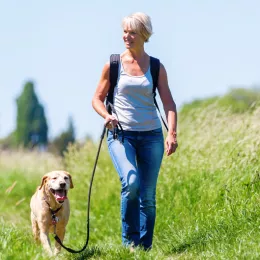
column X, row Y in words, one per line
column 31, row 130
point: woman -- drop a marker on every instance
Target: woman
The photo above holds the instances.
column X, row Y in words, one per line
column 138, row 158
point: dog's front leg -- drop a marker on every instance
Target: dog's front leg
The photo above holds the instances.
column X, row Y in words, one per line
column 35, row 228
column 45, row 240
column 60, row 232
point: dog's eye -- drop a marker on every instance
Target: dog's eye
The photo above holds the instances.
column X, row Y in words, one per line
column 66, row 178
column 54, row 178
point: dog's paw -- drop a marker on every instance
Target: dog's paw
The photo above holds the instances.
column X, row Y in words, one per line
column 56, row 251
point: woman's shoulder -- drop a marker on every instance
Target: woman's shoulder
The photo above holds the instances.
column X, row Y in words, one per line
column 106, row 67
column 105, row 70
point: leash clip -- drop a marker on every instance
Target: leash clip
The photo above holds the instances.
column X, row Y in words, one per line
column 55, row 219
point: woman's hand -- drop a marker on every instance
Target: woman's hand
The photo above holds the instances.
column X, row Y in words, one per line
column 110, row 121
column 171, row 144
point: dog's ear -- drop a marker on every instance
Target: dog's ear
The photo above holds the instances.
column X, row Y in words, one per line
column 44, row 178
column 71, row 183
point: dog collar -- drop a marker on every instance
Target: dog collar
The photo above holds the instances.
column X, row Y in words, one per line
column 54, row 218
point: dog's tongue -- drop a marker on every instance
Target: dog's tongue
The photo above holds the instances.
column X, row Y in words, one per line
column 60, row 195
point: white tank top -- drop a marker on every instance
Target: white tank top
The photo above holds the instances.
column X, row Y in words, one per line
column 134, row 103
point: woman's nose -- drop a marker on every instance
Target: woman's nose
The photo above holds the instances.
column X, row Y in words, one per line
column 127, row 35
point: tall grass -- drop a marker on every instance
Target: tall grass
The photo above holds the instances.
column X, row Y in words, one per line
column 207, row 194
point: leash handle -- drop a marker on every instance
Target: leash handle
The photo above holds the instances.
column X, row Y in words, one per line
column 110, row 107
column 115, row 132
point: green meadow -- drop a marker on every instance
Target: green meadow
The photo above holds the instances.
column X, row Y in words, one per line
column 208, row 193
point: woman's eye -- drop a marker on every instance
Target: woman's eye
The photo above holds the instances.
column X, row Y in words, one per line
column 131, row 32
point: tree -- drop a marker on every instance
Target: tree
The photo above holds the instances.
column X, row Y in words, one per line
column 61, row 142
column 71, row 130
column 31, row 124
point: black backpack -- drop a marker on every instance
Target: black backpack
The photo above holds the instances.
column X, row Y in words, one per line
column 114, row 65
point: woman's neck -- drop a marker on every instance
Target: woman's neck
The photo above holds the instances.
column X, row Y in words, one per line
column 137, row 55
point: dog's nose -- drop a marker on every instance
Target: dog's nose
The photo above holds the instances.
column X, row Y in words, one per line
column 62, row 185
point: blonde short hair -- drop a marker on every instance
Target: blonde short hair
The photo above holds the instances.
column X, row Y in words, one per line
column 140, row 23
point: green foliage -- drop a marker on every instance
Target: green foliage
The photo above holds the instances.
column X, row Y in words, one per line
column 207, row 194
column 238, row 100
column 60, row 143
column 31, row 124
column 8, row 142
column 241, row 100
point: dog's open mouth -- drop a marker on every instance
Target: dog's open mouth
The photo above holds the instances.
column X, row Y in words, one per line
column 60, row 195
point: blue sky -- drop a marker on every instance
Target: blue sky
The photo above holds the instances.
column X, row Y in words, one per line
column 206, row 46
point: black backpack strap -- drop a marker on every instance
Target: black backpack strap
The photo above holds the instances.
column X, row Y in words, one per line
column 113, row 75
column 155, row 69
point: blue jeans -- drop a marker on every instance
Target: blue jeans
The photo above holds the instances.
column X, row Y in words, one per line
column 137, row 161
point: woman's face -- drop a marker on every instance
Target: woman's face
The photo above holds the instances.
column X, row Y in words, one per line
column 132, row 39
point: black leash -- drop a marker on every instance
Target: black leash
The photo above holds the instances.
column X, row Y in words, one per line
column 88, row 210
column 115, row 136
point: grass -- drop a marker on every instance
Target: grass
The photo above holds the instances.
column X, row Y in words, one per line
column 207, row 194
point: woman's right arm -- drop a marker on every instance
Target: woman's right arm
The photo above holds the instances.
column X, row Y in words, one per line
column 100, row 96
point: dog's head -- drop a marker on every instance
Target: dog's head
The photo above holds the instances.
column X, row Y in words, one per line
column 58, row 183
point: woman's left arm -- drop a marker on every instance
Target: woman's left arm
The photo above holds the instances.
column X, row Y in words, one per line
column 170, row 111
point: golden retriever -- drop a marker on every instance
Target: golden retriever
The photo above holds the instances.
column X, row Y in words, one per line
column 50, row 208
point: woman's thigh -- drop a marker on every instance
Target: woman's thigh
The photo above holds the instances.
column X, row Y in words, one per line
column 123, row 155
column 138, row 158
column 149, row 157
